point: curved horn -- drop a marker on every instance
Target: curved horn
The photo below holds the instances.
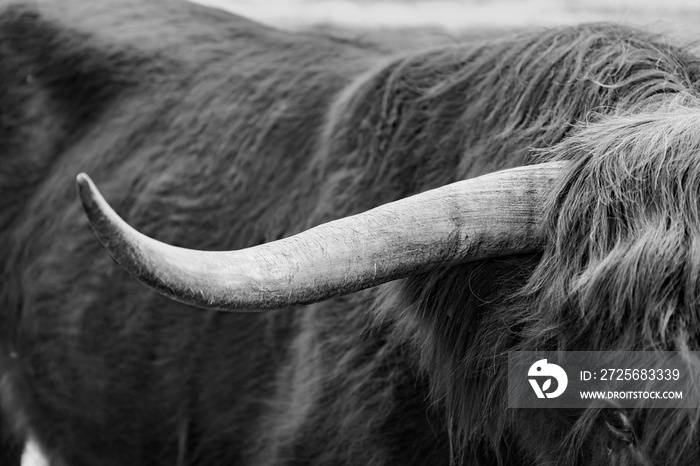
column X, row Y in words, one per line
column 492, row 215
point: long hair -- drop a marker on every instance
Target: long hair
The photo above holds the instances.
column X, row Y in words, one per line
column 621, row 268
column 243, row 134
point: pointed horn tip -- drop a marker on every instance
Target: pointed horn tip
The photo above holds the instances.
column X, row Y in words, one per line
column 83, row 181
column 86, row 190
column 102, row 219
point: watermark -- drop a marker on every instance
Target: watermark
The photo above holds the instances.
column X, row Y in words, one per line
column 615, row 379
column 547, row 372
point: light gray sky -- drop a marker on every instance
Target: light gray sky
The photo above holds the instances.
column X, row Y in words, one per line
column 456, row 15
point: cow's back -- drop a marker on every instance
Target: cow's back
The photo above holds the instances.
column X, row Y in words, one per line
column 199, row 126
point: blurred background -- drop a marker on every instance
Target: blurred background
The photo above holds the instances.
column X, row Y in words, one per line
column 409, row 23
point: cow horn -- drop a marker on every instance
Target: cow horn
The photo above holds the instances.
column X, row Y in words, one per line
column 493, row 215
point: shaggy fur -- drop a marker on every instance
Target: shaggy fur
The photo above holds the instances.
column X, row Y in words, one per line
column 208, row 131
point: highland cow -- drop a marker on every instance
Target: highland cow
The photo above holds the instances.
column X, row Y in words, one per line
column 211, row 132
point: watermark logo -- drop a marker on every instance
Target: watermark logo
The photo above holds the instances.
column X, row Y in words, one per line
column 603, row 379
column 544, row 372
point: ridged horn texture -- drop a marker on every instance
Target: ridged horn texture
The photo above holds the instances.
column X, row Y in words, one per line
column 493, row 215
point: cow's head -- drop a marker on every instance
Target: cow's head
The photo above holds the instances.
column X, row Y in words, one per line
column 613, row 210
